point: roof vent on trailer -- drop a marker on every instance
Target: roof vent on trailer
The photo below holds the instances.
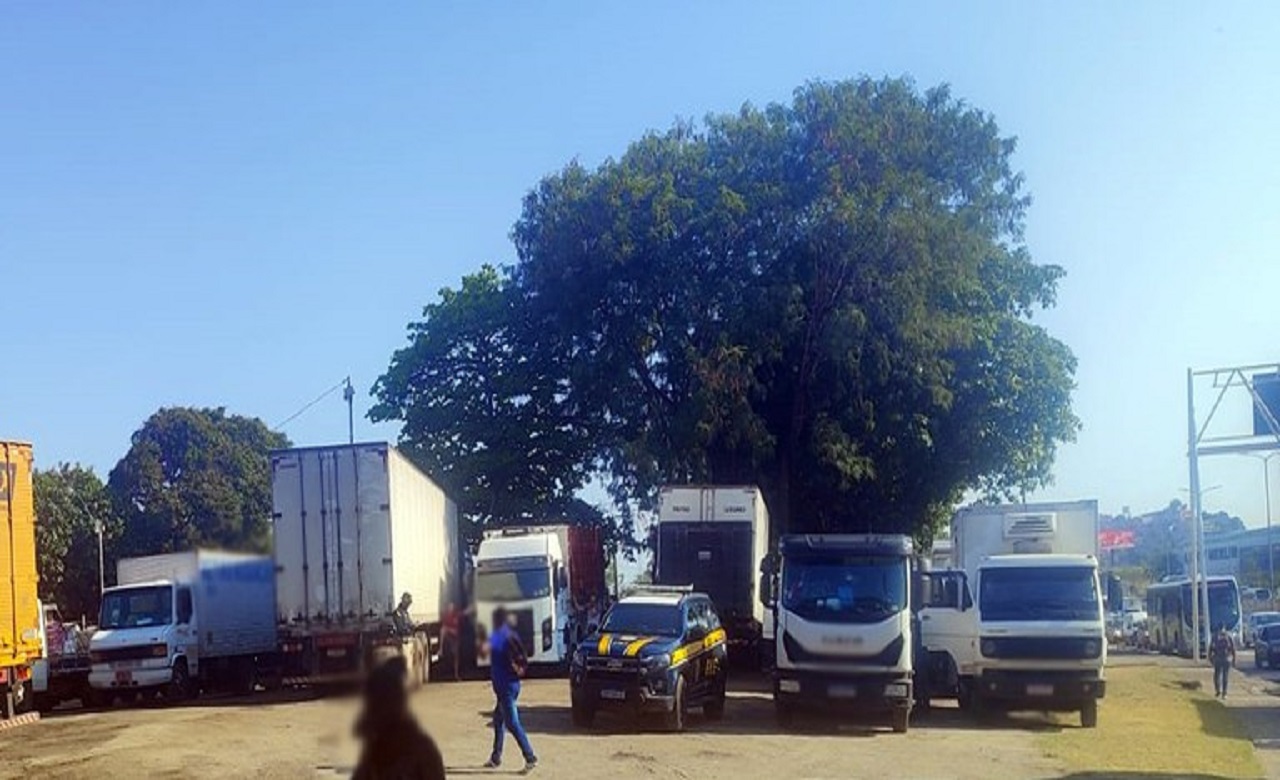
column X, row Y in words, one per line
column 1031, row 532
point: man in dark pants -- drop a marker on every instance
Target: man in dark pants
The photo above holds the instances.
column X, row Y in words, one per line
column 1223, row 655
column 507, row 661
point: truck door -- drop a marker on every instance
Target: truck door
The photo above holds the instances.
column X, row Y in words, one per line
column 947, row 624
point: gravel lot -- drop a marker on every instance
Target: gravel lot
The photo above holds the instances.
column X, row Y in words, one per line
column 296, row 735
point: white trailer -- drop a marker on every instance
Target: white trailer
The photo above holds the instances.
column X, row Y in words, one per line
column 1018, row 623
column 714, row 537
column 183, row 622
column 356, row 528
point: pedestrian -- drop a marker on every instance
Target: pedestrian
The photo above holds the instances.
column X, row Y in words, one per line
column 507, row 662
column 395, row 746
column 1222, row 653
column 450, row 637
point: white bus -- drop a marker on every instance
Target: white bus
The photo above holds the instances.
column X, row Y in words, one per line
column 1169, row 613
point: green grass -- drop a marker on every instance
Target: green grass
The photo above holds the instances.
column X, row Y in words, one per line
column 1148, row 723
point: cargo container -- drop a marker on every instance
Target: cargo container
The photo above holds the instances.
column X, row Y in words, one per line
column 19, row 606
column 180, row 623
column 357, row 527
column 715, row 538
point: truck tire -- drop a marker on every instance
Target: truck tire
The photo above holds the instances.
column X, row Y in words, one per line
column 676, row 717
column 901, row 720
column 784, row 713
column 1089, row 714
column 179, row 688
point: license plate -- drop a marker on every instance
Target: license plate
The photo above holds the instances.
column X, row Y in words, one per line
column 843, row 692
column 336, row 652
column 609, row 693
column 1039, row 690
column 124, row 677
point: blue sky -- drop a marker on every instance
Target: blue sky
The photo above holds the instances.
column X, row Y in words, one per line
column 239, row 203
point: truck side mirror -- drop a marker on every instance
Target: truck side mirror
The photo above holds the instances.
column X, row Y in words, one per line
column 562, row 577
column 185, row 607
column 768, row 589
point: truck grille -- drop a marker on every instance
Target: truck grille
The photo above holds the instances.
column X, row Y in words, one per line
column 1042, row 648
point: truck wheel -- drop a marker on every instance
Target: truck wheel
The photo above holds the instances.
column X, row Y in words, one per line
column 179, row 688
column 784, row 713
column 676, row 717
column 901, row 720
column 1089, row 714
column 714, row 708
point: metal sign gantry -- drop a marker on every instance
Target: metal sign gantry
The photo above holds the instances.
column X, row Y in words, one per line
column 1224, row 380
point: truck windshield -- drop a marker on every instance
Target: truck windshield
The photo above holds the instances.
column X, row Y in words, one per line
column 137, row 607
column 1039, row 593
column 519, row 585
column 643, row 619
column 844, row 589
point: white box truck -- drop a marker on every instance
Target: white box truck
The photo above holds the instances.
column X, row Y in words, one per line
column 356, row 528
column 714, row 537
column 179, row 623
column 1017, row 623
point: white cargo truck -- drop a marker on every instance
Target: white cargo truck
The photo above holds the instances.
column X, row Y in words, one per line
column 714, row 537
column 550, row 578
column 357, row 527
column 180, row 623
column 1017, row 623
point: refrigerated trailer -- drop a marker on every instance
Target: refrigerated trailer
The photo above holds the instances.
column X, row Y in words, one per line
column 715, row 538
column 357, row 527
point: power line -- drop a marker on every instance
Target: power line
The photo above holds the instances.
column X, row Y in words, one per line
column 307, row 408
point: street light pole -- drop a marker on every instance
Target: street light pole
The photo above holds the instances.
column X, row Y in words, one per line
column 102, row 569
column 1266, row 486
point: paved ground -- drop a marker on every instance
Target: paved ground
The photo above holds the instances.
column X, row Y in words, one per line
column 299, row 736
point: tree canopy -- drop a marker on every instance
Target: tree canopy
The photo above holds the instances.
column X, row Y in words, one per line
column 830, row 298
column 70, row 500
column 195, row 477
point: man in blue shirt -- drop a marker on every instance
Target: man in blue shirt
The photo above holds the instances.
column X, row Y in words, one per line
column 507, row 661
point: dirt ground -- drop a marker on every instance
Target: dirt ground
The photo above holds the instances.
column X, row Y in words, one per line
column 298, row 735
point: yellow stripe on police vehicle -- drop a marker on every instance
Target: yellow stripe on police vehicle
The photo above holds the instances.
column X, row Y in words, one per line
column 686, row 652
column 636, row 646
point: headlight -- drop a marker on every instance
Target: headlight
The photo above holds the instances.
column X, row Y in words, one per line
column 896, row 690
column 989, row 647
column 659, row 661
column 789, row 686
column 159, row 651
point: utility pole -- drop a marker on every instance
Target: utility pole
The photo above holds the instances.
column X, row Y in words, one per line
column 349, row 393
column 102, row 567
column 1193, row 437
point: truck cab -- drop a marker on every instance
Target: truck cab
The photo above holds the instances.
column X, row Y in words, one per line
column 525, row 571
column 146, row 640
column 842, row 624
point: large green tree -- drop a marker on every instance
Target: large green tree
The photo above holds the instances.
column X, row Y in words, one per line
column 195, row 477
column 70, row 501
column 831, row 298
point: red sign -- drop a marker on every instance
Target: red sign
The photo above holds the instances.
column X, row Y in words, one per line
column 1116, row 540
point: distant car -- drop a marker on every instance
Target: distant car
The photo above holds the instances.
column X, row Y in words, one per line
column 661, row 651
column 1266, row 646
column 1256, row 621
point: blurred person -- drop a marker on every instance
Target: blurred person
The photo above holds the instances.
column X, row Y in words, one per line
column 1222, row 653
column 400, row 617
column 395, row 746
column 450, row 637
column 507, row 662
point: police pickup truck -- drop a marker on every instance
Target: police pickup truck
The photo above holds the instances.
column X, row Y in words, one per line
column 661, row 650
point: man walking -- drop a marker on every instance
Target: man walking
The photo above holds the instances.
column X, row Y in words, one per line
column 507, row 661
column 1223, row 655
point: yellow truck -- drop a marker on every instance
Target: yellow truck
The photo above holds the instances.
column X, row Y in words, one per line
column 20, row 645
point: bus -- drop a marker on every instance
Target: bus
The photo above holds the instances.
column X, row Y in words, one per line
column 1169, row 613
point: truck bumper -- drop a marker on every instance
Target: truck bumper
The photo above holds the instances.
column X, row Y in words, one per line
column 108, row 679
column 866, row 692
column 1041, row 690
